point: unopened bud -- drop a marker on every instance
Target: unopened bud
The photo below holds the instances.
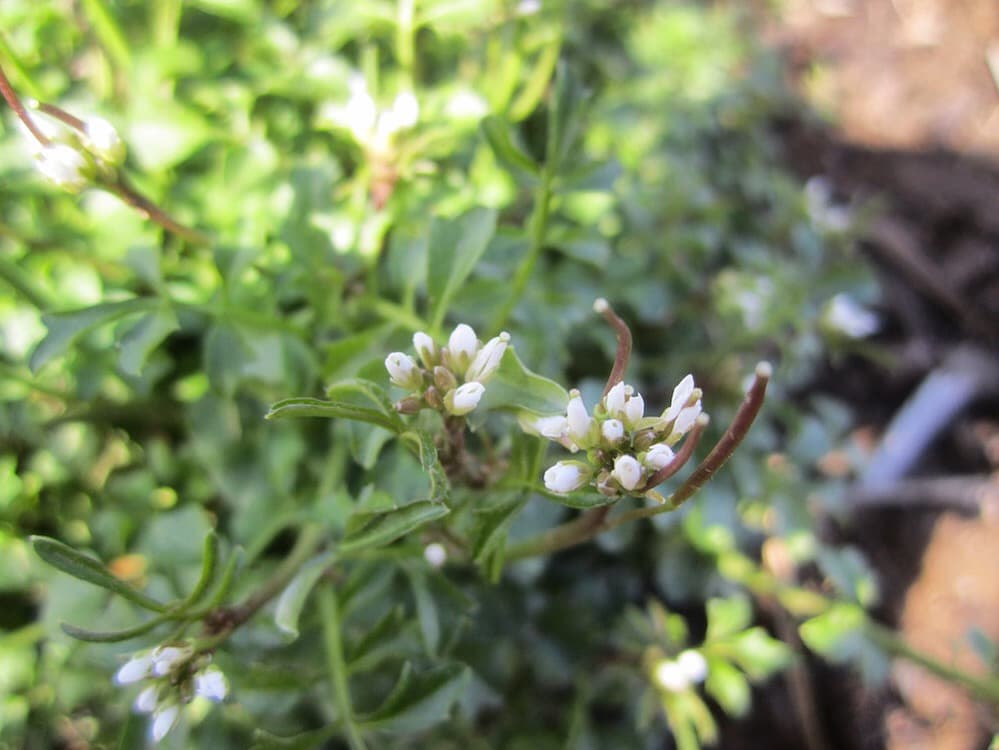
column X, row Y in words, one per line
column 628, row 472
column 487, row 359
column 566, row 476
column 403, row 371
column 102, row 141
column 433, row 399
column 64, row 166
column 464, row 399
column 426, row 349
column 461, row 348
column 409, row 405
column 444, row 379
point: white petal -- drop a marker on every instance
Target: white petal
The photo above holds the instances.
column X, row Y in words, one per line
column 693, row 665
column 465, row 398
column 487, row 359
column 671, row 676
column 435, row 554
column 403, row 371
column 614, row 401
column 211, row 684
column 425, row 348
column 685, row 420
column 658, row 456
column 463, row 342
column 681, row 394
column 612, row 430
column 165, row 658
column 139, row 667
column 145, row 702
column 163, row 721
column 634, row 409
column 566, row 476
column 62, row 165
column 627, row 471
column 578, row 418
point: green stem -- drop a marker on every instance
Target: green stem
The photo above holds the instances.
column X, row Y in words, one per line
column 538, row 227
column 23, row 284
column 405, row 46
column 328, row 608
column 985, row 689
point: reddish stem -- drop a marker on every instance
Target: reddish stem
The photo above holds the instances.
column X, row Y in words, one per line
column 623, row 343
column 22, row 114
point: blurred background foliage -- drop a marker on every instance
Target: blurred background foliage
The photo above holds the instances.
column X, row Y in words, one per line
column 136, row 367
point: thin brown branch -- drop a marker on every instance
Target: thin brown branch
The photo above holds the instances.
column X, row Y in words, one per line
column 623, row 333
column 682, row 456
column 124, row 190
column 14, row 101
column 62, row 115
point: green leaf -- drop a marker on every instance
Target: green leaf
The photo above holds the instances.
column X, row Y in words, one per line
column 759, row 655
column 829, row 634
column 417, row 702
column 489, row 531
column 387, row 527
column 431, row 465
column 426, row 611
column 727, row 616
column 454, row 248
column 142, row 338
column 86, row 568
column 516, row 388
column 566, row 116
column 65, row 327
column 296, row 408
column 499, row 136
column 110, row 636
column 729, row 687
column 209, row 566
column 580, row 500
column 296, row 593
column 378, row 642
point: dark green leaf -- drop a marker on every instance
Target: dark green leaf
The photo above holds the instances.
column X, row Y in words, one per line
column 566, row 116
column 296, row 593
column 144, row 336
column 314, row 407
column 580, row 500
column 454, row 248
column 516, row 388
column 209, row 565
column 418, row 701
column 86, row 568
column 727, row 685
column 387, row 527
column 727, row 616
column 110, row 636
column 501, row 140
column 426, row 611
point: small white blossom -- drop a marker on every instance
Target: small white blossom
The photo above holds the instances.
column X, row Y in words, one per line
column 210, row 683
column 403, row 371
column 849, row 318
column 426, row 349
column 103, row 140
column 487, row 359
column 578, row 419
column 627, row 471
column 658, row 456
column 681, row 395
column 693, row 665
column 435, row 554
column 139, row 667
column 62, row 165
column 614, row 400
column 464, row 398
column 671, row 676
column 145, row 702
column 634, row 409
column 163, row 720
column 612, row 430
column 566, row 476
column 404, row 113
column 462, row 346
column 686, row 420
column 165, row 658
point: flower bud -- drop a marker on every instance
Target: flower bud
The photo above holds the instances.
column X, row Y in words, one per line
column 403, row 371
column 145, row 702
column 578, row 419
column 614, row 401
column 685, row 420
column 681, row 395
column 409, row 405
column 627, row 472
column 165, row 658
column 64, row 166
column 426, row 349
column 444, row 379
column 464, row 399
column 139, row 667
column 566, row 476
column 210, row 683
column 102, row 140
column 163, row 721
column 634, row 410
column 488, row 358
column 612, row 430
column 553, row 428
column 461, row 348
column 670, row 676
column 435, row 554
column 433, row 399
column 658, row 456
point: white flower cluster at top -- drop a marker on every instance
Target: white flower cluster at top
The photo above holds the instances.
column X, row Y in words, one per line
column 72, row 158
column 676, row 675
column 624, row 448
column 174, row 675
column 450, row 379
column 371, row 127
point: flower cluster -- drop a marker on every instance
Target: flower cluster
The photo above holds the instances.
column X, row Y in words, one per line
column 74, row 151
column 175, row 675
column 450, row 379
column 624, row 448
column 371, row 127
column 676, row 675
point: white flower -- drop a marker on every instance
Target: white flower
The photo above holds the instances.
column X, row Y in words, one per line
column 139, row 667
column 462, row 345
column 693, row 665
column 404, row 113
column 681, row 395
column 403, row 371
column 145, row 702
column 487, row 359
column 685, row 420
column 426, row 349
column 553, row 428
column 671, row 676
column 435, row 554
column 464, row 399
column 627, row 471
column 634, row 409
column 849, row 318
column 614, row 400
column 578, row 419
column 612, row 430
column 103, row 140
column 165, row 658
column 63, row 166
column 566, row 476
column 210, row 683
column 658, row 456
column 163, row 721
